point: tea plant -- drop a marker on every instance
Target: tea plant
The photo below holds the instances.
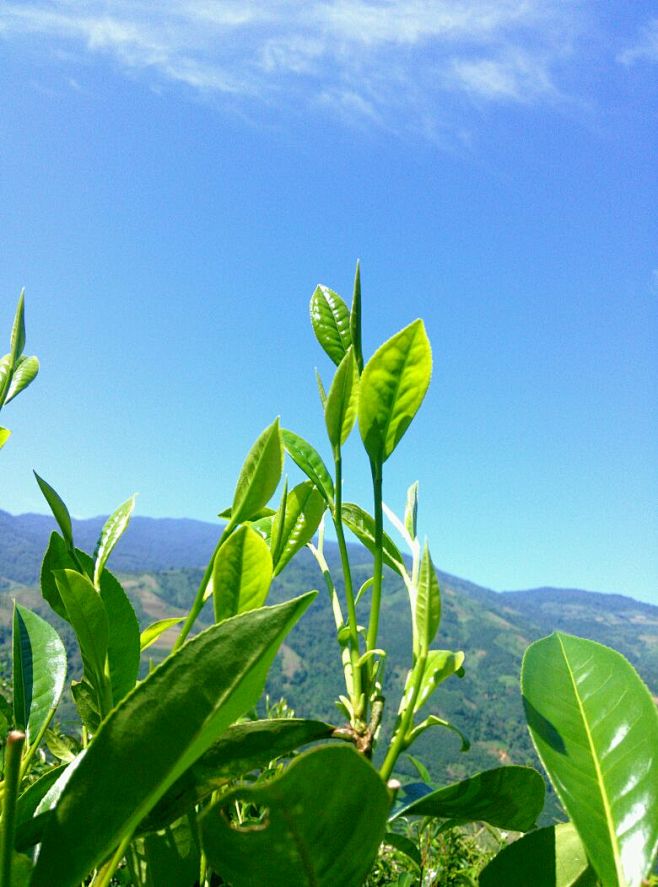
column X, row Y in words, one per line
column 172, row 779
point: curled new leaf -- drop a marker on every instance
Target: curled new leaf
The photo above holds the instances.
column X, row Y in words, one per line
column 330, row 319
column 393, row 385
column 114, row 528
column 427, row 605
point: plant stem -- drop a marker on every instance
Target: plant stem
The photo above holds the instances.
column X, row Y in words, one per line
column 197, row 605
column 104, row 875
column 355, row 647
column 397, row 745
column 378, row 567
column 13, row 752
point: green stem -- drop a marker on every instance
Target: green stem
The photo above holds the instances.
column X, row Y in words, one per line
column 13, row 752
column 398, row 743
column 378, row 568
column 104, row 875
column 197, row 605
column 25, row 763
column 355, row 646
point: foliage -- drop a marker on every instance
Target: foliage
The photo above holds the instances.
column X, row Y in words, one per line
column 173, row 777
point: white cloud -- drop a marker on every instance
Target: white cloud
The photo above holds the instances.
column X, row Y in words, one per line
column 646, row 49
column 368, row 60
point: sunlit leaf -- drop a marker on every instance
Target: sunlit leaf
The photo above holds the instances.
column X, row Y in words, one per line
column 362, row 525
column 25, row 372
column 304, row 509
column 112, row 531
column 242, row 574
column 310, row 462
column 86, row 613
column 440, row 665
column 393, row 385
column 595, row 728
column 58, row 508
column 355, row 319
column 427, row 610
column 330, row 320
column 259, row 476
column 342, row 401
column 5, row 434
column 152, row 632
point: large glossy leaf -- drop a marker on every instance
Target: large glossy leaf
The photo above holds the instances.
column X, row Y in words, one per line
column 507, row 797
column 240, row 750
column 25, row 372
column 326, row 816
column 595, row 728
column 304, row 509
column 259, row 476
column 310, row 462
column 86, row 613
column 362, row 525
column 114, row 528
column 342, row 401
column 427, row 610
column 330, row 319
column 548, row 857
column 39, row 671
column 156, row 734
column 393, row 385
column 58, row 508
column 242, row 574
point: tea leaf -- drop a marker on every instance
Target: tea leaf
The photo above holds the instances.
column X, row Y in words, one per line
column 355, row 319
column 427, row 610
column 304, row 509
column 123, row 648
column 114, row 528
column 259, row 476
column 86, row 613
column 39, row 671
column 318, row 831
column 506, row 797
column 310, row 462
column 18, row 331
column 57, row 557
column 595, row 728
column 393, row 385
column 25, row 372
column 330, row 320
column 548, row 857
column 5, row 434
column 5, row 376
column 411, row 511
column 242, row 574
column 342, row 400
column 136, row 755
column 152, row 632
column 440, row 664
column 363, row 526
column 58, row 508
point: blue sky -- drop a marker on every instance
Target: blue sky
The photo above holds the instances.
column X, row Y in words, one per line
column 175, row 180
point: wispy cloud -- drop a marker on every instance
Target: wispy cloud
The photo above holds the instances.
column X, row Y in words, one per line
column 646, row 48
column 363, row 59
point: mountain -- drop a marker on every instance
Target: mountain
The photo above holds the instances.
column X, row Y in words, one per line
column 160, row 564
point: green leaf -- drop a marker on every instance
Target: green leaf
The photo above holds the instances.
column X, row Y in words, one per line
column 435, row 721
column 57, row 557
column 278, row 520
column 123, row 649
column 411, row 511
column 58, row 508
column 86, row 613
column 326, row 817
column 169, row 857
column 440, row 664
column 156, row 733
column 427, row 610
column 114, row 528
column 152, row 632
column 363, row 526
column 242, row 574
column 404, row 845
column 18, row 330
column 242, row 749
column 25, row 372
column 259, row 476
column 262, row 512
column 310, row 462
column 506, row 797
column 321, row 392
column 5, row 376
column 304, row 509
column 86, row 702
column 39, row 671
column 342, row 401
column 330, row 320
column 595, row 728
column 5, row 434
column 393, row 385
column 27, row 805
column 355, row 319
column 548, row 857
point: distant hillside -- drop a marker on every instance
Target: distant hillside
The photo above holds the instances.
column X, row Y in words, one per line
column 160, row 564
